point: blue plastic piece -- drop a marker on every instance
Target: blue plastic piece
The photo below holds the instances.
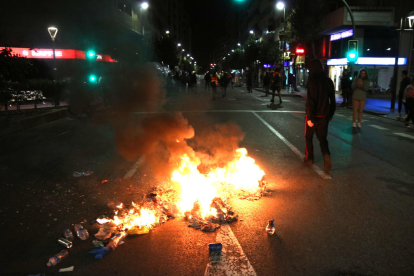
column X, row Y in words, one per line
column 99, row 252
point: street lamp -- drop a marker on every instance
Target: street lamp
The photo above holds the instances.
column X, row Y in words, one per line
column 280, row 6
column 179, row 44
column 238, row 44
column 251, row 31
column 53, row 32
column 167, row 32
column 144, row 5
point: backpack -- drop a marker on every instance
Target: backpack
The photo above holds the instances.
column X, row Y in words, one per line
column 275, row 82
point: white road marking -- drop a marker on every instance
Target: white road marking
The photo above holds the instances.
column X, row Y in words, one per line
column 379, row 127
column 292, row 147
column 231, row 99
column 405, row 135
column 231, row 261
column 134, row 168
column 336, row 114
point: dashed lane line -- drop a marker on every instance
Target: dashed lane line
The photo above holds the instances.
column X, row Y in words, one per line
column 224, row 111
column 405, row 135
column 134, row 168
column 292, row 147
column 231, row 261
column 379, row 127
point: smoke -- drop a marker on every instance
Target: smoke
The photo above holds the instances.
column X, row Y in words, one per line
column 162, row 137
column 216, row 144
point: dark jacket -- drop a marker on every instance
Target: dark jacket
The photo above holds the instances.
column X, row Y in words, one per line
column 321, row 96
column 404, row 83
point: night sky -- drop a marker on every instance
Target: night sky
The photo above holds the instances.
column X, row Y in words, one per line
column 207, row 22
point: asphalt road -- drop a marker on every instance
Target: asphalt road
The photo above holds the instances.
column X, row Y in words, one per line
column 358, row 222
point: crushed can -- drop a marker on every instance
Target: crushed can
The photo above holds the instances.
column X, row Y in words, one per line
column 215, row 246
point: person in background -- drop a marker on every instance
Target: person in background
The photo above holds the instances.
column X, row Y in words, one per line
column 401, row 94
column 320, row 108
column 249, row 81
column 346, row 84
column 207, row 80
column 409, row 93
column 291, row 80
column 266, row 82
column 360, row 87
column 213, row 84
column 231, row 76
column 275, row 85
column 224, row 81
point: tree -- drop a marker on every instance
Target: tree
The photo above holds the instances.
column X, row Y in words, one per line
column 305, row 22
column 271, row 53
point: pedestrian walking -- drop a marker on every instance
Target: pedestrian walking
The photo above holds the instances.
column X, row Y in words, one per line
column 224, row 81
column 346, row 84
column 249, row 81
column 409, row 92
column 232, row 77
column 401, row 94
column 320, row 108
column 275, row 85
column 360, row 87
column 214, row 84
column 266, row 82
column 291, row 81
column 207, row 80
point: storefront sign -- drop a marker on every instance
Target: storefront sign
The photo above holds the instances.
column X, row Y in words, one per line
column 59, row 54
column 286, row 63
column 345, row 34
column 367, row 61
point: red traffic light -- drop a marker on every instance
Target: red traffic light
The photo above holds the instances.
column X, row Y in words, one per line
column 300, row 51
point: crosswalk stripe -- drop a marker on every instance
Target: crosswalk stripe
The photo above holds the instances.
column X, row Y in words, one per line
column 379, row 127
column 405, row 135
column 292, row 147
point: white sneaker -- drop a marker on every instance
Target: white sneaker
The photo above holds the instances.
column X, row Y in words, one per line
column 398, row 116
column 353, row 124
column 359, row 125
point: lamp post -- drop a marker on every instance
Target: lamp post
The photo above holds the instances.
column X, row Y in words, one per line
column 280, row 6
column 144, row 6
column 53, row 32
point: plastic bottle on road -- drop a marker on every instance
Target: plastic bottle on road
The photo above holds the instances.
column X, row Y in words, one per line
column 270, row 228
column 81, row 232
column 57, row 258
column 68, row 234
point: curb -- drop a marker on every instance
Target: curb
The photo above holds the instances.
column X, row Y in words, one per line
column 33, row 121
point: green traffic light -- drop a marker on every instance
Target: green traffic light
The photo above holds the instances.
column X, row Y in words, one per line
column 352, row 56
column 92, row 78
column 91, row 54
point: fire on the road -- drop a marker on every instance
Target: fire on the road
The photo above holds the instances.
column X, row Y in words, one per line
column 196, row 194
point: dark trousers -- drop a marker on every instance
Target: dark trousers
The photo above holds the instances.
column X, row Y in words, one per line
column 410, row 109
column 321, row 129
column 346, row 95
column 400, row 105
column 207, row 86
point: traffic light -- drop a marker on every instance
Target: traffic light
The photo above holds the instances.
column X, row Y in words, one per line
column 352, row 54
column 91, row 54
column 300, row 51
column 93, row 78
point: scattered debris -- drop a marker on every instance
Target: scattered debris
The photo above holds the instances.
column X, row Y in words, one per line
column 65, row 243
column 67, row 269
column 57, row 258
column 77, row 174
column 104, row 181
column 97, row 243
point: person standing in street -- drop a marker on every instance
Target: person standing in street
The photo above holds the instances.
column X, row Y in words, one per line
column 401, row 94
column 266, row 82
column 249, row 81
column 346, row 84
column 213, row 84
column 275, row 85
column 291, row 80
column 320, row 108
column 409, row 92
column 360, row 87
column 207, row 80
column 224, row 81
